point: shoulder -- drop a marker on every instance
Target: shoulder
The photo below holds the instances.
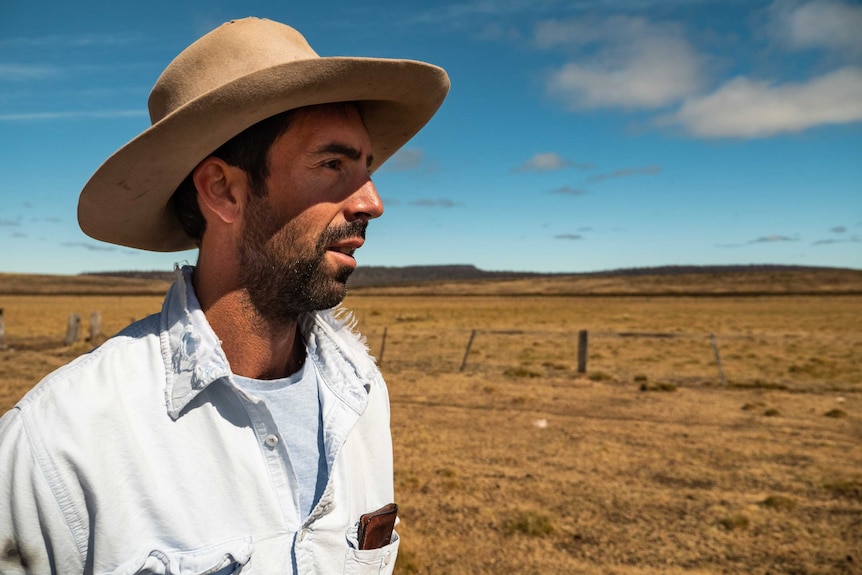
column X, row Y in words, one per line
column 95, row 372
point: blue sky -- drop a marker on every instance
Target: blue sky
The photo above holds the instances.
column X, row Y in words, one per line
column 577, row 136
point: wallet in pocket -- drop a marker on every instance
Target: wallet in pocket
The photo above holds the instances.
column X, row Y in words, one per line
column 375, row 528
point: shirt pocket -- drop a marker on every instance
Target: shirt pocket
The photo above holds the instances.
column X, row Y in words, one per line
column 372, row 561
column 229, row 558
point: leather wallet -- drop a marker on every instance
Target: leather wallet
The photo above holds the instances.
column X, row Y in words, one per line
column 375, row 528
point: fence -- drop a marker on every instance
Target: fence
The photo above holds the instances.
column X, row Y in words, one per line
column 763, row 360
column 755, row 360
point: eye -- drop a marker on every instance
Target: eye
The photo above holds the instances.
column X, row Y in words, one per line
column 333, row 164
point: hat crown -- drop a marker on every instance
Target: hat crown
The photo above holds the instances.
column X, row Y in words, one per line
column 233, row 50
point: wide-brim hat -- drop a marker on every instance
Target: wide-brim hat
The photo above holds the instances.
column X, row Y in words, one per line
column 233, row 77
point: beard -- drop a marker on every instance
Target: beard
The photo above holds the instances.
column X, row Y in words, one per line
column 283, row 277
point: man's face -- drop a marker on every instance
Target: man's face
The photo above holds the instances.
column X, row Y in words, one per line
column 296, row 251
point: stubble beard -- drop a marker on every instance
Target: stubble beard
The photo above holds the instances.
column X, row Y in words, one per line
column 284, row 278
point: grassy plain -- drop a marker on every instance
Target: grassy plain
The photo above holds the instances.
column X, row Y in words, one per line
column 645, row 464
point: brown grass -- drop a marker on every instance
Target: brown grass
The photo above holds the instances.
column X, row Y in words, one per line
column 519, row 464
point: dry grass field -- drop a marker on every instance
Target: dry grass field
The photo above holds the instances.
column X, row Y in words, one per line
column 644, row 464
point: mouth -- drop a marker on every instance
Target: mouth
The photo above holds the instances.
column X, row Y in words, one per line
column 346, row 247
column 346, row 250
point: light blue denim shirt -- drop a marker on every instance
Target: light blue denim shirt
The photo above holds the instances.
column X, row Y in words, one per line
column 143, row 456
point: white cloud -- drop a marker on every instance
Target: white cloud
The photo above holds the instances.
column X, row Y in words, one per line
column 631, row 63
column 745, row 108
column 818, row 24
column 549, row 161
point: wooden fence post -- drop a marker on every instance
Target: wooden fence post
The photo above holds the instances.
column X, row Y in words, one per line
column 95, row 327
column 583, row 339
column 72, row 329
column 382, row 347
column 2, row 331
column 717, row 358
column 467, row 351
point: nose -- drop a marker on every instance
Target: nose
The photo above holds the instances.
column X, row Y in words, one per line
column 365, row 203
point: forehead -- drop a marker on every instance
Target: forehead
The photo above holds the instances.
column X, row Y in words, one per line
column 327, row 121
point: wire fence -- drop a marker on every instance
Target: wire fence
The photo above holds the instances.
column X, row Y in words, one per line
column 767, row 360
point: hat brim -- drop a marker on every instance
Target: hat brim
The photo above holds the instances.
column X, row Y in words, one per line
column 126, row 200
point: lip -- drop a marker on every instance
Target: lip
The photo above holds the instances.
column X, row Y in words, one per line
column 346, row 248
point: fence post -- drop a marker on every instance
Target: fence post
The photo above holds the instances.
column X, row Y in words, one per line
column 467, row 351
column 583, row 339
column 382, row 347
column 72, row 329
column 717, row 358
column 2, row 331
column 95, row 327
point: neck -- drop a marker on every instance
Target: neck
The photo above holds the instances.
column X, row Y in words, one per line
column 255, row 347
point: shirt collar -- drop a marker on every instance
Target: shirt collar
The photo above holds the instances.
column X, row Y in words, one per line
column 191, row 351
column 194, row 358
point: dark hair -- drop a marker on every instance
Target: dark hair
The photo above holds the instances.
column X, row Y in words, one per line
column 248, row 150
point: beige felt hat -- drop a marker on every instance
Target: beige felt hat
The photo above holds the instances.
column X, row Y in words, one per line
column 240, row 73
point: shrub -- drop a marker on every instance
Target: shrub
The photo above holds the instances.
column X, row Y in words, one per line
column 751, row 406
column 733, row 522
column 779, row 503
column 771, row 412
column 529, row 523
column 521, row 372
column 658, row 387
column 836, row 413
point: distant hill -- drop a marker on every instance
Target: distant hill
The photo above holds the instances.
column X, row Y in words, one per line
column 751, row 280
column 381, row 276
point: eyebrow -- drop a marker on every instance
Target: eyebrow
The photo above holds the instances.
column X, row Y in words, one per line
column 343, row 150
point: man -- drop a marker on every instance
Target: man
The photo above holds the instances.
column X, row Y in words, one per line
column 244, row 428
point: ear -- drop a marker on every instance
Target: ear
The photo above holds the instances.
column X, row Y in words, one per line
column 222, row 189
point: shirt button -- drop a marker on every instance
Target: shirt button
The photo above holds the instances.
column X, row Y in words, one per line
column 387, row 558
column 271, row 440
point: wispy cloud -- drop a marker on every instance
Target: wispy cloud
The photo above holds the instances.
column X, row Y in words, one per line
column 76, row 115
column 625, row 173
column 74, row 40
column 567, row 191
column 548, row 162
column 88, row 246
column 456, row 12
column 434, row 203
column 19, row 72
column 772, row 239
column 621, row 62
column 409, row 159
column 571, row 237
column 6, row 223
column 747, row 108
column 838, row 229
column 830, row 241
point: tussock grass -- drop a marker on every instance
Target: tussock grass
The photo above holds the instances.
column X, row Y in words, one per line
column 846, row 488
column 735, row 522
column 521, row 372
column 529, row 523
column 666, row 387
column 779, row 503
